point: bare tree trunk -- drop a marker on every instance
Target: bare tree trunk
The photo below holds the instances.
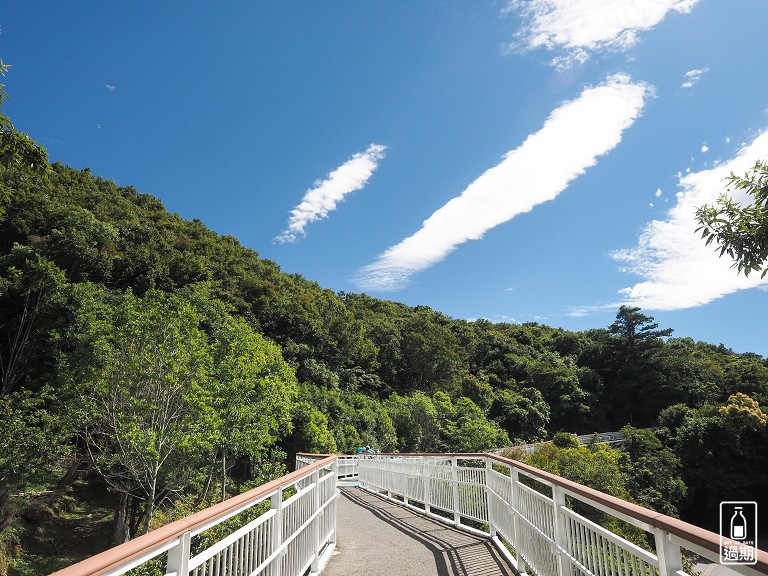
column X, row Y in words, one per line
column 121, row 531
column 223, row 475
column 149, row 508
column 206, row 489
column 6, row 514
column 13, row 362
column 136, row 516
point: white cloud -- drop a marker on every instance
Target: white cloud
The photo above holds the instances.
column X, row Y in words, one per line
column 585, row 26
column 326, row 194
column 693, row 76
column 110, row 87
column 658, row 193
column 678, row 269
column 576, row 133
column 704, row 148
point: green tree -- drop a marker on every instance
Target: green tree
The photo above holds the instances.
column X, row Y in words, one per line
column 370, row 419
column 740, row 230
column 82, row 245
column 635, row 353
column 523, row 414
column 596, row 466
column 34, row 409
column 478, row 389
column 471, row 431
column 17, row 150
column 652, row 471
column 152, row 417
column 415, row 420
column 723, row 449
column 565, row 440
column 310, row 431
column 636, row 331
column 430, row 355
column 557, row 379
column 251, row 391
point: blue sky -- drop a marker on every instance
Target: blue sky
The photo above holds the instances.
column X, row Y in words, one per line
column 518, row 161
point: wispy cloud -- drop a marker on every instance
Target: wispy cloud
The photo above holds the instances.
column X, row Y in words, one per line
column 693, row 76
column 576, row 134
column 110, row 87
column 581, row 27
column 323, row 197
column 678, row 269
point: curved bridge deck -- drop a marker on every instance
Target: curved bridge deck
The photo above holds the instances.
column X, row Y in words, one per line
column 379, row 537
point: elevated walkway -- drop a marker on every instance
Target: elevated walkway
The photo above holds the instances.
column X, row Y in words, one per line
column 378, row 536
column 430, row 514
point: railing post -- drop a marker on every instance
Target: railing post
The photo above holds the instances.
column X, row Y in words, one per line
column 315, row 531
column 668, row 553
column 332, row 508
column 455, row 482
column 514, row 478
column 276, row 504
column 178, row 556
column 427, row 484
column 488, row 498
column 561, row 535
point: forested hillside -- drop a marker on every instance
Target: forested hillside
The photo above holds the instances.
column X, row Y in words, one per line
column 168, row 366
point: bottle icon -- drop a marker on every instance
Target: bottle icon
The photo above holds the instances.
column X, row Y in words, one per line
column 738, row 525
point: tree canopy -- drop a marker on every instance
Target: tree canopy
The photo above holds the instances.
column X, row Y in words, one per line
column 740, row 230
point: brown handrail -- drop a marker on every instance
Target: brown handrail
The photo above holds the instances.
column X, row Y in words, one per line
column 693, row 534
column 115, row 557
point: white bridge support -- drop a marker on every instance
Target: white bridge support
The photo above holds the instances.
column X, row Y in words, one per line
column 543, row 524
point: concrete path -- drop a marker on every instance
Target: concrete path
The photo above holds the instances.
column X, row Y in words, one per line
column 378, row 537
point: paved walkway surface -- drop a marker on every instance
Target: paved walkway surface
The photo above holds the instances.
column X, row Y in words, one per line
column 378, row 537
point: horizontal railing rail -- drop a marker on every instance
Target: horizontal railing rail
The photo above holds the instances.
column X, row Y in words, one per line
column 543, row 524
column 346, row 463
column 295, row 534
column 539, row 520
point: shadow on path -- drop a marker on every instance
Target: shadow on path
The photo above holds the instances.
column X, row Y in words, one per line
column 380, row 537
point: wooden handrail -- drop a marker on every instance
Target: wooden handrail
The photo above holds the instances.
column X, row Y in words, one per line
column 119, row 555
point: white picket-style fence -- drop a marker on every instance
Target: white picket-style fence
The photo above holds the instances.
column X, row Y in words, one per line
column 531, row 516
column 536, row 519
column 293, row 532
column 345, row 464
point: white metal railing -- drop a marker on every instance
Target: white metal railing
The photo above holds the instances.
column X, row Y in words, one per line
column 346, row 463
column 529, row 514
column 293, row 534
column 601, row 437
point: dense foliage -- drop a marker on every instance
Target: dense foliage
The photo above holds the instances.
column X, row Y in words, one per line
column 741, row 231
column 168, row 365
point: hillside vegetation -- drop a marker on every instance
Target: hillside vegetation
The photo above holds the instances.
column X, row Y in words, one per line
column 153, row 366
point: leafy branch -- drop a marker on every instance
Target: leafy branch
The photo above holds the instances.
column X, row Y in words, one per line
column 740, row 231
